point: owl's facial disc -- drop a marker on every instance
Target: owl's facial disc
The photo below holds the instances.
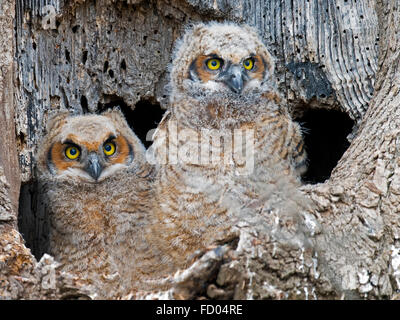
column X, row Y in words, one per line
column 89, row 161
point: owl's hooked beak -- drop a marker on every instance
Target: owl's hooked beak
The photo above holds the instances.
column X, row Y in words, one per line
column 93, row 167
column 233, row 77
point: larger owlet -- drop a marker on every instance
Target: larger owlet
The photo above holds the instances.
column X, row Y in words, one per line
column 97, row 187
column 223, row 121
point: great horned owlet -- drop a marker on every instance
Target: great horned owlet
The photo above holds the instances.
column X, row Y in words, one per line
column 97, row 188
column 224, row 120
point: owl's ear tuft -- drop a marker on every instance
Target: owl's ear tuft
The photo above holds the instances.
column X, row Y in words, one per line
column 251, row 29
column 191, row 30
column 114, row 114
column 197, row 28
column 268, row 58
column 56, row 118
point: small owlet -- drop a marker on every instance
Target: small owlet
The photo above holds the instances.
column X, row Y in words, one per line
column 97, row 186
column 224, row 120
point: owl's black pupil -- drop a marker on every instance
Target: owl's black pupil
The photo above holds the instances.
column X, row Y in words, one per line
column 73, row 151
column 214, row 63
column 107, row 147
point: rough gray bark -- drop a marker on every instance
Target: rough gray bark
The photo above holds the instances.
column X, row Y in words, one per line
column 8, row 152
column 102, row 52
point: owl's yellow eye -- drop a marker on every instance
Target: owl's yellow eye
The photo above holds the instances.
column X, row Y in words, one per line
column 109, row 148
column 248, row 64
column 214, row 64
column 72, row 153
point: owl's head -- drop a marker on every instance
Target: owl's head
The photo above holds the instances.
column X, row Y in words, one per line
column 217, row 61
column 88, row 148
column 221, row 75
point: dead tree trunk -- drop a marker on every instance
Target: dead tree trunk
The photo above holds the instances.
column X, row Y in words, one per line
column 336, row 64
column 359, row 203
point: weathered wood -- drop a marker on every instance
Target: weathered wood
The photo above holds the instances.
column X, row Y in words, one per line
column 8, row 142
column 327, row 50
column 359, row 204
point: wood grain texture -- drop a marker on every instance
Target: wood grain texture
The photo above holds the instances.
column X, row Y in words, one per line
column 359, row 204
column 327, row 50
column 8, row 143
